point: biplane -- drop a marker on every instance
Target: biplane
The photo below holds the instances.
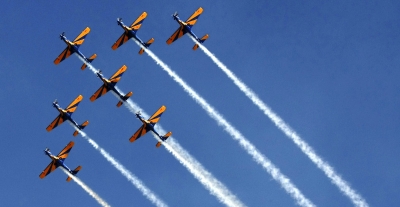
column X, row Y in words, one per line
column 148, row 125
column 186, row 27
column 109, row 84
column 73, row 47
column 65, row 114
column 57, row 161
column 130, row 32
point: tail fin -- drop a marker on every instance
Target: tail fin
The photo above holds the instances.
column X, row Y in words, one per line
column 82, row 126
column 201, row 40
column 74, row 172
column 147, row 44
column 89, row 60
column 163, row 138
column 124, row 98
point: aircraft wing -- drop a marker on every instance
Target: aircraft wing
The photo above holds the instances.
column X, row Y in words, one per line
column 135, row 26
column 193, row 19
column 50, row 168
column 124, row 38
column 74, row 104
column 100, row 92
column 156, row 116
column 139, row 133
column 59, row 120
column 66, row 53
column 64, row 153
column 81, row 37
column 177, row 34
column 117, row 75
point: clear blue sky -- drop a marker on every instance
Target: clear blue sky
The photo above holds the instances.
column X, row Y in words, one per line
column 329, row 69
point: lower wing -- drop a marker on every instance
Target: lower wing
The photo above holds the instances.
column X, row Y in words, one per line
column 50, row 168
column 66, row 53
column 140, row 132
column 177, row 34
column 124, row 38
column 59, row 120
column 100, row 92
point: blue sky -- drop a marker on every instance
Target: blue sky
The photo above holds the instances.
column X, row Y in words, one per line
column 327, row 68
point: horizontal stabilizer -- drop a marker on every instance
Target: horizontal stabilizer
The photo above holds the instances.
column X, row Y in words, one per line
column 204, row 38
column 89, row 60
column 82, row 126
column 148, row 43
column 74, row 172
column 76, row 132
column 195, row 46
column 141, row 51
column 124, row 98
column 163, row 138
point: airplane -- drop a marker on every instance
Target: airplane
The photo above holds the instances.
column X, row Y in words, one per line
column 65, row 114
column 109, row 84
column 186, row 27
column 130, row 32
column 57, row 161
column 148, row 125
column 73, row 47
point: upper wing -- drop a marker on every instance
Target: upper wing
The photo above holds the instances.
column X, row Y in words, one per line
column 100, row 92
column 124, row 37
column 66, row 53
column 138, row 22
column 64, row 153
column 50, row 168
column 193, row 19
column 81, row 37
column 117, row 75
column 177, row 34
column 74, row 104
column 140, row 132
column 156, row 116
column 59, row 120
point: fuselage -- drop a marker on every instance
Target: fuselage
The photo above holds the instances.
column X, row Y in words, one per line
column 110, row 85
column 65, row 114
column 72, row 47
column 59, row 162
column 149, row 126
column 186, row 28
column 131, row 33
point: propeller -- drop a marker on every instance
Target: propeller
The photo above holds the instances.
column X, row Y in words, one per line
column 55, row 101
column 175, row 14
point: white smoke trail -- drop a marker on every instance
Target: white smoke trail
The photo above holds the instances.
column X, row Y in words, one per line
column 357, row 199
column 212, row 184
column 125, row 172
column 87, row 189
column 215, row 187
column 250, row 148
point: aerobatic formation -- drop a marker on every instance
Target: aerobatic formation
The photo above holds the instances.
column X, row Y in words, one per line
column 109, row 84
column 130, row 32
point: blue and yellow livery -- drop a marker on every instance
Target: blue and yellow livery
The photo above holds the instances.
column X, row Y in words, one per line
column 73, row 47
column 130, row 32
column 57, row 161
column 148, row 125
column 65, row 114
column 186, row 27
column 109, row 84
